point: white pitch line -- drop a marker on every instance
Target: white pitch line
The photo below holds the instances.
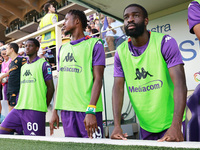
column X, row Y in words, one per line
column 107, row 141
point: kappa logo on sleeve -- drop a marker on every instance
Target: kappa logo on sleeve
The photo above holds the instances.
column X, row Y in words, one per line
column 168, row 38
column 99, row 42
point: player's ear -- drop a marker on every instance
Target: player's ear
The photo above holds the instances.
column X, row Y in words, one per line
column 37, row 49
column 146, row 21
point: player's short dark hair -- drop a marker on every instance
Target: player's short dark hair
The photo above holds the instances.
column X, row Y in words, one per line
column 46, row 7
column 81, row 15
column 141, row 7
column 35, row 41
column 2, row 42
column 14, row 46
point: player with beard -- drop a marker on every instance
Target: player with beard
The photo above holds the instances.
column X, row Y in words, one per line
column 158, row 96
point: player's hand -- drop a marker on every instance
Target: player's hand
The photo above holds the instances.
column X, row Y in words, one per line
column 54, row 119
column 173, row 134
column 118, row 134
column 91, row 126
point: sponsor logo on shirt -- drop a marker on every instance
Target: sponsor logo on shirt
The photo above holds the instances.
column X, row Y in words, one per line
column 69, row 58
column 149, row 86
column 71, row 68
column 27, row 73
column 29, row 77
column 142, row 74
column 49, row 70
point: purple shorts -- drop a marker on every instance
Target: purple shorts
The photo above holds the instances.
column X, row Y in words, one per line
column 30, row 121
column 145, row 135
column 73, row 124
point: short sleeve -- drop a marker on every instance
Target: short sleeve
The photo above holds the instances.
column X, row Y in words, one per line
column 193, row 15
column 98, row 55
column 170, row 51
column 47, row 71
column 118, row 71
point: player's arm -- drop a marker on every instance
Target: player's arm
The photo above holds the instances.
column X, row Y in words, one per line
column 117, row 103
column 117, row 98
column 47, row 74
column 90, row 119
column 50, row 91
column 196, row 30
column 180, row 93
column 54, row 117
column 176, row 71
column 98, row 63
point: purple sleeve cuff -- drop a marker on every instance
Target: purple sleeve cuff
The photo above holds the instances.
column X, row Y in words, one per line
column 170, row 51
column 118, row 71
column 47, row 71
column 98, row 55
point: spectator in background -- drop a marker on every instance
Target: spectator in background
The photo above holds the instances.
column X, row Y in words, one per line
column 104, row 21
column 113, row 34
column 4, row 69
column 49, row 38
column 94, row 31
column 40, row 52
column 21, row 51
column 92, row 25
column 13, row 73
column 1, row 61
column 2, row 43
column 88, row 30
column 97, row 24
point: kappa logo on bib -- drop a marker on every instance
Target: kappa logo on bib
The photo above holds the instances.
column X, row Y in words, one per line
column 142, row 74
column 69, row 58
column 27, row 73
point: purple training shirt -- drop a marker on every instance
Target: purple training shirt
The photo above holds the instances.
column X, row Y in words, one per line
column 193, row 15
column 98, row 53
column 169, row 50
column 47, row 74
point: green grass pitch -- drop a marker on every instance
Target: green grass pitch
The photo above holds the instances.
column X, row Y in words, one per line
column 14, row 144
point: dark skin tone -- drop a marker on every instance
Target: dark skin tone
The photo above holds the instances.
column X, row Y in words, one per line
column 73, row 26
column 135, row 14
column 31, row 51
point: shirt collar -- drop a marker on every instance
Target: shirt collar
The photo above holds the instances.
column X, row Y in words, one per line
column 34, row 60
